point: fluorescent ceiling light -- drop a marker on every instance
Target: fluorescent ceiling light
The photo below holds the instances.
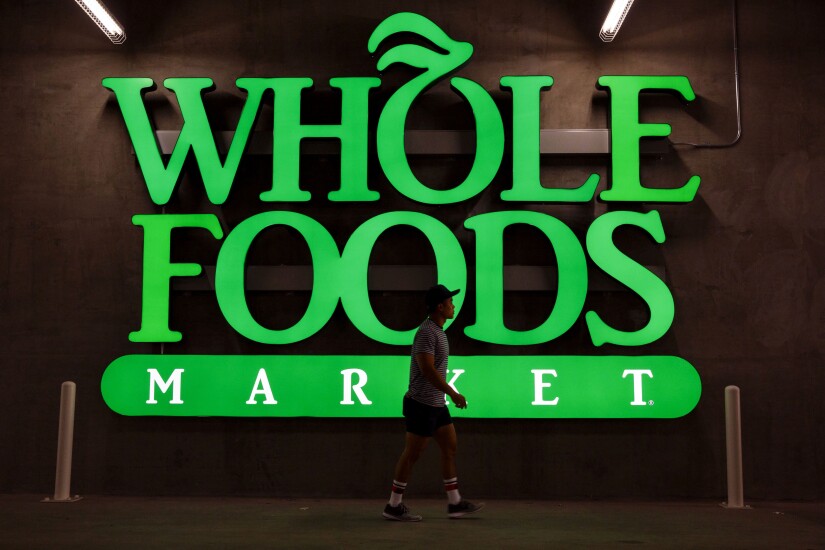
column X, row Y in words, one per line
column 614, row 19
column 107, row 23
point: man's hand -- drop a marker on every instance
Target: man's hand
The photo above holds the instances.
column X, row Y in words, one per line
column 426, row 363
column 459, row 400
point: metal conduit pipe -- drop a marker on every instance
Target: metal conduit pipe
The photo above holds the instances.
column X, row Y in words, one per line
column 736, row 87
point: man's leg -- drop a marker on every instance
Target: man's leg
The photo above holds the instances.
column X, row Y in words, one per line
column 448, row 443
column 415, row 445
column 413, row 448
column 447, row 440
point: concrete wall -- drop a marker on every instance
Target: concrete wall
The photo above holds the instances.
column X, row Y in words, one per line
column 744, row 260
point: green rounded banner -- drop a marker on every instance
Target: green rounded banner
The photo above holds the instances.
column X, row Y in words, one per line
column 510, row 386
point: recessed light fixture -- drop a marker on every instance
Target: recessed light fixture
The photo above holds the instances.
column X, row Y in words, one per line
column 105, row 20
column 614, row 19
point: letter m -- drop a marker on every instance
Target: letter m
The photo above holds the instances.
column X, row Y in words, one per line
column 156, row 380
column 195, row 134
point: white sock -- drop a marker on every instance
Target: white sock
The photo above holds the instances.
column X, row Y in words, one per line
column 397, row 493
column 451, row 486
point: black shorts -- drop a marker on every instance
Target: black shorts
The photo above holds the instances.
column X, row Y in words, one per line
column 423, row 419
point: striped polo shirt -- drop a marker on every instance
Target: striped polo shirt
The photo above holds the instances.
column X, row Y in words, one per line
column 429, row 339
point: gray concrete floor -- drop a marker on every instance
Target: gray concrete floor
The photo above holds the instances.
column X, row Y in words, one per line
column 131, row 522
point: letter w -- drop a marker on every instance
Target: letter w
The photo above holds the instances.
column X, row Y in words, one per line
column 196, row 134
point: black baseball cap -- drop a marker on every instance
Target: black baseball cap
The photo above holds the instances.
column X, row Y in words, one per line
column 438, row 294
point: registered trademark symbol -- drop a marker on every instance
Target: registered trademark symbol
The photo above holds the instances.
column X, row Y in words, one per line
column 650, row 402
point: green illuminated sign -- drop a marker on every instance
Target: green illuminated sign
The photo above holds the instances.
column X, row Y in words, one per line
column 218, row 177
column 371, row 386
column 340, row 274
column 344, row 275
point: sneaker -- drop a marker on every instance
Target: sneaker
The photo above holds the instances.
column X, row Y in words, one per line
column 463, row 508
column 399, row 513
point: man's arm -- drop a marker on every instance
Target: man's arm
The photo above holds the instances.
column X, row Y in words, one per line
column 426, row 363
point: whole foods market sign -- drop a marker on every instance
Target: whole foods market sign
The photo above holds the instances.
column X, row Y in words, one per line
column 369, row 386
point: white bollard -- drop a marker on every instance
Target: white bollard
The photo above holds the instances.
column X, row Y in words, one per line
column 733, row 436
column 65, row 439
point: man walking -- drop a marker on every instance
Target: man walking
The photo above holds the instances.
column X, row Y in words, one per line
column 425, row 410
